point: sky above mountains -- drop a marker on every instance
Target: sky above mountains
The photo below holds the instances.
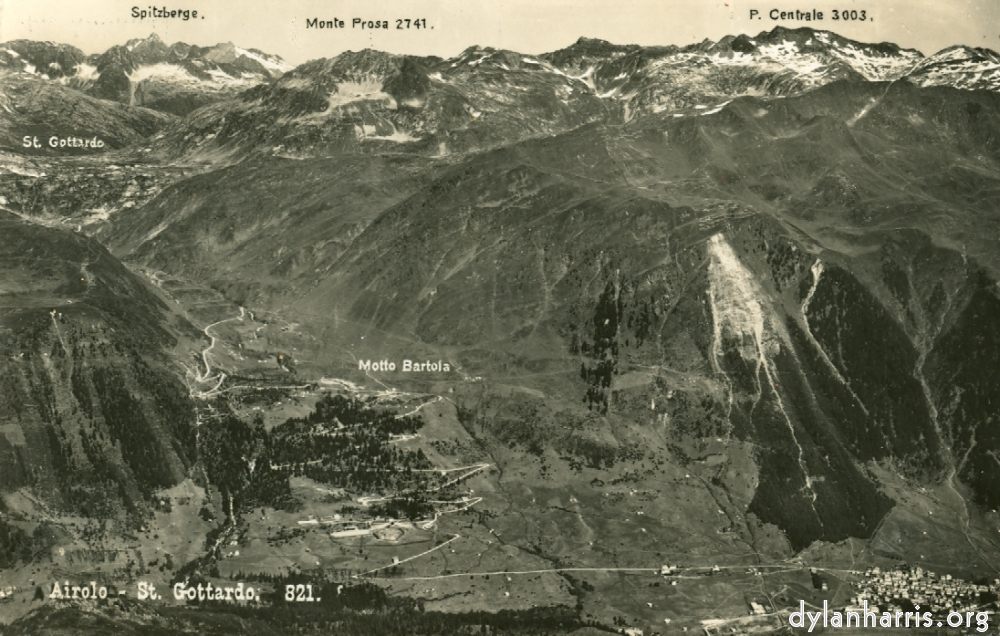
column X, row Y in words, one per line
column 528, row 26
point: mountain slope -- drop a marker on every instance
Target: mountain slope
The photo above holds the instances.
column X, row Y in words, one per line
column 961, row 67
column 94, row 416
column 376, row 102
column 40, row 110
column 754, row 250
column 261, row 229
column 47, row 59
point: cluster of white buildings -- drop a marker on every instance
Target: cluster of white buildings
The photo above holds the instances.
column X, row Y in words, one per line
column 932, row 592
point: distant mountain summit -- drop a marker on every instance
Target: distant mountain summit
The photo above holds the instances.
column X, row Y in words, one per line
column 174, row 79
column 48, row 59
column 180, row 78
column 646, row 80
column 961, row 67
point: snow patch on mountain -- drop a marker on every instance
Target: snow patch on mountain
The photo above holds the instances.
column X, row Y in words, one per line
column 961, row 67
column 222, row 78
column 86, row 72
column 346, row 93
column 349, row 92
column 397, row 135
column 780, row 58
column 877, row 68
column 163, row 72
column 267, row 62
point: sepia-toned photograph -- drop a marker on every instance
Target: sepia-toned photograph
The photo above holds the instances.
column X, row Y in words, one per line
column 524, row 318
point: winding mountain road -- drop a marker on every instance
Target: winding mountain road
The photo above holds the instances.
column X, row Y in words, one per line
column 207, row 375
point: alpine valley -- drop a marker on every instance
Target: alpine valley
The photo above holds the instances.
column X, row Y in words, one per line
column 610, row 339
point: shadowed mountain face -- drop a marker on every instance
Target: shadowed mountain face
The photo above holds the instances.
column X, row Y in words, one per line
column 253, row 228
column 94, row 416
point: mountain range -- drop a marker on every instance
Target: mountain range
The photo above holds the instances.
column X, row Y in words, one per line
column 734, row 302
column 482, row 98
column 173, row 79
